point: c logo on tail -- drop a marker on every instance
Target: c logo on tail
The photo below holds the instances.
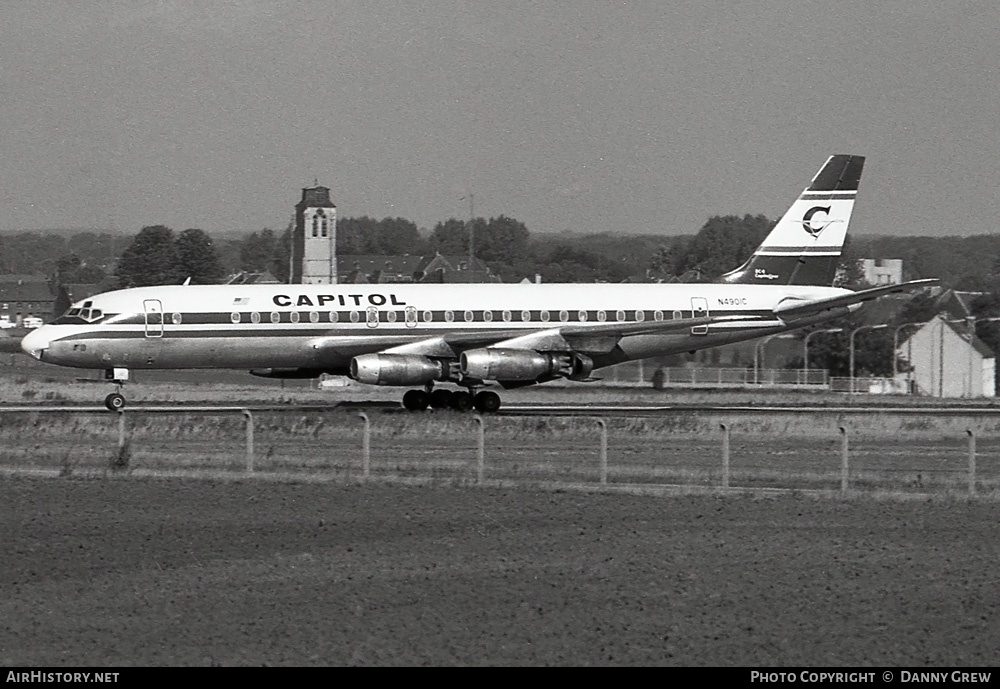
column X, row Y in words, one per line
column 807, row 223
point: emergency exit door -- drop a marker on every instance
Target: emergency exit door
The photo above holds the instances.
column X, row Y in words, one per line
column 699, row 309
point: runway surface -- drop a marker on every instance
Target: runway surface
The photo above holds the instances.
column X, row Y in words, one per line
column 528, row 409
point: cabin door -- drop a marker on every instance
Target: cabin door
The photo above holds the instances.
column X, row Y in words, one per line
column 154, row 317
column 699, row 309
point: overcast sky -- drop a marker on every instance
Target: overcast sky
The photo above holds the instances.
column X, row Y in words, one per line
column 632, row 117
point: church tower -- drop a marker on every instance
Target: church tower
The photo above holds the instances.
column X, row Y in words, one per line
column 314, row 245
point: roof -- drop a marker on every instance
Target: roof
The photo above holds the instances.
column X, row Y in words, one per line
column 26, row 291
column 957, row 304
column 959, row 328
column 405, row 264
column 249, row 278
column 361, row 268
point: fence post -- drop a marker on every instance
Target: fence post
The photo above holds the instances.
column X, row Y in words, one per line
column 972, row 462
column 366, row 446
column 480, row 448
column 602, row 424
column 844, row 461
column 725, row 455
column 249, row 448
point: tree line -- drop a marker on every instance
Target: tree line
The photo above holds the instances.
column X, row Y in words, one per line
column 721, row 244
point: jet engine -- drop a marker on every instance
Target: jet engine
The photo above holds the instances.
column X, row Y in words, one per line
column 397, row 369
column 495, row 363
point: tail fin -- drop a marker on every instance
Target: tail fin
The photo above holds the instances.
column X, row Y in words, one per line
column 804, row 247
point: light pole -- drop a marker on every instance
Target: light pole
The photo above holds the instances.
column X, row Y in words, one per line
column 805, row 347
column 851, row 347
column 758, row 353
column 472, row 227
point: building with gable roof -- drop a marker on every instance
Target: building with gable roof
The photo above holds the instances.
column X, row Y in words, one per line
column 948, row 360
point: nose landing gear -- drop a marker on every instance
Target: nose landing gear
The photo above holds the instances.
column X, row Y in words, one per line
column 119, row 376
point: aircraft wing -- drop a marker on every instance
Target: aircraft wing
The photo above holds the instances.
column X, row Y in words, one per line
column 582, row 337
column 792, row 309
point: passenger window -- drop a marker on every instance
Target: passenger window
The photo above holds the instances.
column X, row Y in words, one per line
column 677, row 315
column 275, row 317
column 313, row 317
column 255, row 317
column 657, row 315
column 487, row 316
column 355, row 317
column 176, row 318
column 294, row 316
column 602, row 316
column 506, row 316
column 334, row 316
column 544, row 315
column 449, row 315
column 390, row 316
column 620, row 315
column 640, row 316
column 582, row 316
column 564, row 315
column 469, row 316
column 428, row 316
column 526, row 315
column 234, row 317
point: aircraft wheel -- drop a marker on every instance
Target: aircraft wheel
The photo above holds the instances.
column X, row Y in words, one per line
column 461, row 401
column 416, row 400
column 487, row 402
column 114, row 401
column 441, row 398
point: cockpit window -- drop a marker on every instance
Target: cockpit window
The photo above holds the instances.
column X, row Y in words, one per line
column 80, row 314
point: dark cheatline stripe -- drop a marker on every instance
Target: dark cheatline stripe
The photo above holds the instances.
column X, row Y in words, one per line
column 769, row 250
column 829, row 196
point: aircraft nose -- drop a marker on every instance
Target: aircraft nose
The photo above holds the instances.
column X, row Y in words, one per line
column 36, row 342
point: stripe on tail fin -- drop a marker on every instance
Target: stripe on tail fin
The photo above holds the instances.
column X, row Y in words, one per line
column 804, row 247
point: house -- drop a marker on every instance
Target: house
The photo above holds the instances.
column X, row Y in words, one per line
column 882, row 271
column 366, row 268
column 23, row 296
column 948, row 360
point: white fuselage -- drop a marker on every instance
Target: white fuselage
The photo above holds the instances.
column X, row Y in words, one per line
column 323, row 327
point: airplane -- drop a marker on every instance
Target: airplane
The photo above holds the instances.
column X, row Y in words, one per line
column 473, row 336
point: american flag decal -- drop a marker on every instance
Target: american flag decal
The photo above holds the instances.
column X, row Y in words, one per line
column 241, row 301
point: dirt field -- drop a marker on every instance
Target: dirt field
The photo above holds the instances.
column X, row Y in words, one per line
column 131, row 571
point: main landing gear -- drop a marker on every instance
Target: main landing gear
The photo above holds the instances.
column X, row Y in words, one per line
column 484, row 401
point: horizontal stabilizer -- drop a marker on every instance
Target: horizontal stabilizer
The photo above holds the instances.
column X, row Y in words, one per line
column 791, row 309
